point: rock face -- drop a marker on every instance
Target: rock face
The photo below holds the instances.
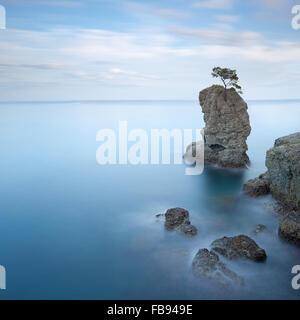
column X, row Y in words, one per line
column 258, row 187
column 239, row 247
column 289, row 228
column 207, row 264
column 283, row 163
column 283, row 181
column 178, row 219
column 227, row 127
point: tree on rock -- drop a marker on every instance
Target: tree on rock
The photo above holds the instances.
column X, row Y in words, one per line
column 228, row 77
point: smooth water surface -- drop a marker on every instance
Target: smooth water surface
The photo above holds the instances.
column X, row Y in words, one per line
column 73, row 229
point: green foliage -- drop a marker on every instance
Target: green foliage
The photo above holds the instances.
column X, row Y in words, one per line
column 228, row 77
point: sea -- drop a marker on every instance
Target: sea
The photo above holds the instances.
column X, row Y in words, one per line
column 72, row 228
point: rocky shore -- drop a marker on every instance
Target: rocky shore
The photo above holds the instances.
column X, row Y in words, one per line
column 282, row 180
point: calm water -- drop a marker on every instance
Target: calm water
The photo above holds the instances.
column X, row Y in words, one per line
column 72, row 229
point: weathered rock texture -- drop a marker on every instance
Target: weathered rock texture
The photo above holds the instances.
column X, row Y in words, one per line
column 207, row 264
column 178, row 219
column 258, row 187
column 283, row 181
column 239, row 247
column 289, row 228
column 283, row 163
column 227, row 127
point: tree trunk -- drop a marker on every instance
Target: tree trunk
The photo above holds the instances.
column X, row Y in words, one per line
column 225, row 94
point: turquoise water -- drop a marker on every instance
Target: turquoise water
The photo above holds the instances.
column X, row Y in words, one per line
column 73, row 229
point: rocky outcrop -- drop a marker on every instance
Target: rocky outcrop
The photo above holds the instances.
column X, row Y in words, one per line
column 178, row 219
column 283, row 181
column 289, row 227
column 283, row 163
column 226, row 129
column 207, row 264
column 258, row 187
column 239, row 247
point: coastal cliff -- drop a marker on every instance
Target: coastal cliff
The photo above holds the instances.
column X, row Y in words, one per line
column 282, row 180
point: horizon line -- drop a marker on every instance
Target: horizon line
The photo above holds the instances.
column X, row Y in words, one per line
column 129, row 100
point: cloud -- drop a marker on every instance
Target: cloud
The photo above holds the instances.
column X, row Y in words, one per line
column 45, row 66
column 214, row 4
column 218, row 37
column 66, row 3
column 277, row 52
column 171, row 13
column 78, row 63
column 117, row 71
column 227, row 18
column 274, row 4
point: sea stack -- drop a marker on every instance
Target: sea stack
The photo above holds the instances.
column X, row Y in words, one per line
column 227, row 127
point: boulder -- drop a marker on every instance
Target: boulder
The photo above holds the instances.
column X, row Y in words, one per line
column 178, row 219
column 289, row 227
column 258, row 187
column 239, row 247
column 283, row 163
column 175, row 217
column 207, row 264
column 226, row 129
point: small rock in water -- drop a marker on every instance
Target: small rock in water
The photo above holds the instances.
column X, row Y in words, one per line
column 258, row 187
column 188, row 229
column 178, row 219
column 175, row 217
column 259, row 229
column 239, row 247
column 289, row 228
column 207, row 264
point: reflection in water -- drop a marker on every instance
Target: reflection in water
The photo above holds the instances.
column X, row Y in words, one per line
column 222, row 187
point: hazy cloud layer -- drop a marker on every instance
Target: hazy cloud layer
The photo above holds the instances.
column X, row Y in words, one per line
column 159, row 51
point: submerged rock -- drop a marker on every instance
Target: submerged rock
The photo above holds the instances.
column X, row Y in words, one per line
column 283, row 163
column 258, row 187
column 207, row 264
column 178, row 219
column 289, row 227
column 188, row 229
column 227, row 127
column 239, row 247
column 259, row 229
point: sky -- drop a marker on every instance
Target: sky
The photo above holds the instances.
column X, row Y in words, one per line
column 140, row 50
